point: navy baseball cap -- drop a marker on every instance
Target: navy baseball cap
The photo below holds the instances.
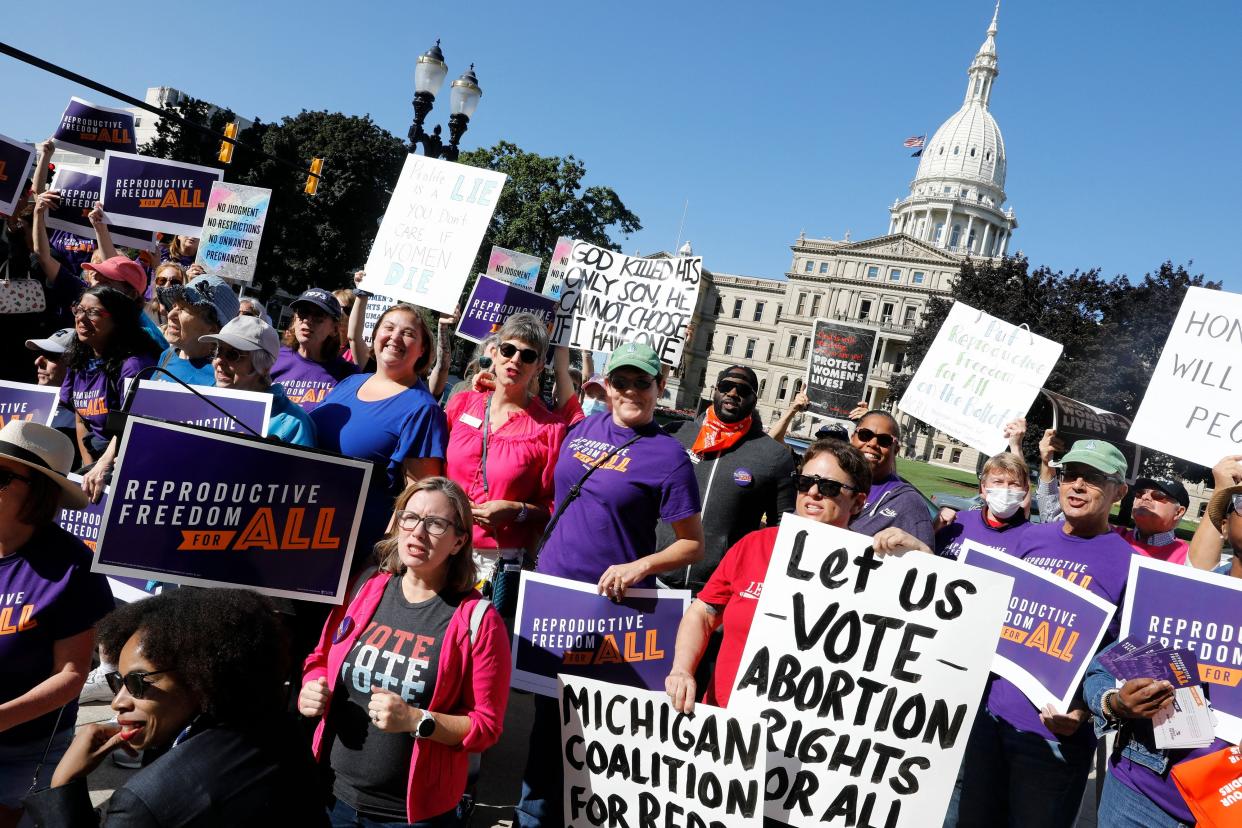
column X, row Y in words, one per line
column 322, row 299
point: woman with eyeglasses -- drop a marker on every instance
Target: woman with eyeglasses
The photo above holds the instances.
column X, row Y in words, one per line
column 411, row 675
column 891, row 501
column 502, row 450
column 617, row 476
column 388, row 417
column 110, row 347
column 832, row 485
column 51, row 603
column 310, row 363
column 200, row 674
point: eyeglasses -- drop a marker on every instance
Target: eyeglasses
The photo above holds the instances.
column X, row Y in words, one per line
column 742, row 389
column 93, row 314
column 249, row 311
column 227, row 354
column 638, row 383
column 508, row 349
column 135, row 682
column 826, row 485
column 1093, row 478
column 1237, row 502
column 866, row 435
column 435, row 526
column 161, row 281
column 1155, row 495
column 7, row 477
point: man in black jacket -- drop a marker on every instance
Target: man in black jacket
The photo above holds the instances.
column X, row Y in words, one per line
column 744, row 475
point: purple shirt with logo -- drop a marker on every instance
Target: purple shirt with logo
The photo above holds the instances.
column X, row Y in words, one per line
column 971, row 526
column 92, row 393
column 613, row 520
column 307, row 382
column 47, row 593
column 1100, row 564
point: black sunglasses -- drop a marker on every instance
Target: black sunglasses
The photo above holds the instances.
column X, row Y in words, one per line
column 638, row 383
column 227, row 354
column 7, row 477
column 826, row 485
column 135, row 682
column 866, row 435
column 742, row 389
column 508, row 349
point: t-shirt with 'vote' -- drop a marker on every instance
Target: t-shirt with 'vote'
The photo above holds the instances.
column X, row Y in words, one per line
column 307, row 382
column 613, row 520
column 400, row 652
column 1100, row 564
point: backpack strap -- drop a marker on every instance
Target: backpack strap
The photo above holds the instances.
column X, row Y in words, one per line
column 476, row 618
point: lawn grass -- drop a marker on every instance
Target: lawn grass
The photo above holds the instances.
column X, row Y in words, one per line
column 930, row 479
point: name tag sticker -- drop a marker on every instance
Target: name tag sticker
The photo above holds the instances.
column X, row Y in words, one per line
column 471, row 420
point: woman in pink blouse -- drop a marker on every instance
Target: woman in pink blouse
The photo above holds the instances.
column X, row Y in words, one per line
column 502, row 449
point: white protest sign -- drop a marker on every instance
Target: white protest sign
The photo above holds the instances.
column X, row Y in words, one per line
column 1193, row 405
column 514, row 268
column 431, row 232
column 868, row 671
column 232, row 229
column 557, row 266
column 631, row 759
column 979, row 373
column 608, row 298
column 376, row 305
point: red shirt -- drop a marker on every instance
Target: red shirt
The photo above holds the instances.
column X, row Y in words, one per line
column 736, row 585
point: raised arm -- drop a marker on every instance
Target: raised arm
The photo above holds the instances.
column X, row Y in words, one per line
column 99, row 223
column 38, row 231
column 357, row 321
column 778, row 429
column 444, row 354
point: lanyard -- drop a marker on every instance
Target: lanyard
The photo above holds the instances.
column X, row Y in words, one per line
column 487, row 427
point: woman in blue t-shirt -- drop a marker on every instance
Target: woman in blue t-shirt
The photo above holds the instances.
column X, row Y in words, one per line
column 388, row 417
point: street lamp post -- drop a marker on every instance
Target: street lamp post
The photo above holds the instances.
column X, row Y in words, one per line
column 429, row 75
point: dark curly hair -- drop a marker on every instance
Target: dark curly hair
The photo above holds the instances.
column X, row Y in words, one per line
column 128, row 336
column 226, row 646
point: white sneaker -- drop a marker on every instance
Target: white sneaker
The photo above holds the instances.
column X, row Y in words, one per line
column 96, row 689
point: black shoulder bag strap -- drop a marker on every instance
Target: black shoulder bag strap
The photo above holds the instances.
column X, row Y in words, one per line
column 576, row 490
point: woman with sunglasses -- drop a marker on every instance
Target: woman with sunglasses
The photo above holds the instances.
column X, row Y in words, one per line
column 832, row 484
column 502, row 449
column 411, row 676
column 617, row 476
column 167, row 274
column 891, row 500
column 388, row 417
column 52, row 602
column 310, row 363
column 200, row 674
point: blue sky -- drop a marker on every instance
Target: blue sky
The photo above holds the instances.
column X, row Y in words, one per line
column 1120, row 119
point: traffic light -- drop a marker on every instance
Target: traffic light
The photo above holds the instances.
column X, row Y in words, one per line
column 226, row 147
column 312, row 180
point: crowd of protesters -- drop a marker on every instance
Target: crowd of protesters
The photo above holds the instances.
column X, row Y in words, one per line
column 409, row 676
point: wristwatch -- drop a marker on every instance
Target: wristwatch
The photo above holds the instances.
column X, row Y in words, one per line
column 522, row 514
column 426, row 726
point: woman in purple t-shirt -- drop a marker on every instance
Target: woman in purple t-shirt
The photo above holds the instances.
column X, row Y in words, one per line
column 310, row 363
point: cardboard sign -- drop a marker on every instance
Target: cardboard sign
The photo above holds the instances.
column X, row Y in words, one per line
column 170, row 401
column 228, row 243
column 492, row 302
column 879, row 659
column 1052, row 628
column 17, row 159
column 555, row 278
column 92, row 130
column 836, row 375
column 609, row 299
column 514, row 268
column 1193, row 405
column 567, row 627
column 209, row 509
column 155, row 193
column 1074, row 420
column 631, row 759
column 431, row 232
column 979, row 373
column 26, row 401
column 1189, row 609
column 79, row 190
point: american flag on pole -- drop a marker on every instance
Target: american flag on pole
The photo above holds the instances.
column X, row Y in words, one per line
column 915, row 141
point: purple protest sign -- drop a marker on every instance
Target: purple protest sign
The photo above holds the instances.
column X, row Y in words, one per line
column 16, row 160
column 92, row 130
column 79, row 190
column 567, row 627
column 23, row 401
column 84, row 525
column 169, row 401
column 208, row 509
column 1188, row 609
column 1051, row 632
column 492, row 302
column 157, row 194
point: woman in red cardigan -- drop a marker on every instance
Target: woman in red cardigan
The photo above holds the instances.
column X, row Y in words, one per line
column 412, row 674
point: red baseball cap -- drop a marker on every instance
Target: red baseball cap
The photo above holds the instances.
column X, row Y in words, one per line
column 121, row 269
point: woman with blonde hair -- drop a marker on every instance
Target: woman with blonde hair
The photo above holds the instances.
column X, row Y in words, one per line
column 411, row 675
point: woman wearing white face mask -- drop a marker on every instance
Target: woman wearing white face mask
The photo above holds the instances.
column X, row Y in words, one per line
column 1006, row 488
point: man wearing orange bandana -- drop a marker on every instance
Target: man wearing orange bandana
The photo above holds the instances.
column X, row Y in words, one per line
column 745, row 477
